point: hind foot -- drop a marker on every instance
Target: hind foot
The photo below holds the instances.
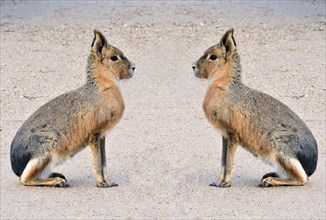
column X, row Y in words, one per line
column 276, row 181
column 272, row 181
column 266, row 182
column 60, row 182
column 32, row 171
column 266, row 179
column 54, row 182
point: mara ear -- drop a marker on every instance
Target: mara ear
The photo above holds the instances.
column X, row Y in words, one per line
column 99, row 42
column 228, row 41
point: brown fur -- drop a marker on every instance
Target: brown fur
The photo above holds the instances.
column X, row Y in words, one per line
column 67, row 124
column 254, row 120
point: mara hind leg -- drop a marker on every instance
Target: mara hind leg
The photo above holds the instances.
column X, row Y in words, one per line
column 294, row 170
column 97, row 146
column 35, row 168
column 230, row 145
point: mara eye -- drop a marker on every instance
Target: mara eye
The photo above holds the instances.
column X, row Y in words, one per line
column 213, row 57
column 114, row 58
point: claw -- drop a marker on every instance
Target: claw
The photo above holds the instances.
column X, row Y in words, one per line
column 106, row 185
column 266, row 182
column 223, row 184
column 61, row 182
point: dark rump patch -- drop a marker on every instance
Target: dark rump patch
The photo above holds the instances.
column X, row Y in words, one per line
column 19, row 157
column 308, row 157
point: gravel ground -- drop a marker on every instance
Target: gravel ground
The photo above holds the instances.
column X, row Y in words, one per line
column 163, row 153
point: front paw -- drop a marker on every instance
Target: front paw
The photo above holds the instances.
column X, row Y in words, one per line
column 106, row 184
column 221, row 184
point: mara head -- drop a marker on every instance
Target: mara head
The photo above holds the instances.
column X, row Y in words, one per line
column 108, row 60
column 215, row 59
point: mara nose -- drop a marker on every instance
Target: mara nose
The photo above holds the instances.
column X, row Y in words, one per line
column 133, row 66
column 194, row 64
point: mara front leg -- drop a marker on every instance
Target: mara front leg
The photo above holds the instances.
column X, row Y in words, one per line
column 230, row 145
column 97, row 146
column 223, row 162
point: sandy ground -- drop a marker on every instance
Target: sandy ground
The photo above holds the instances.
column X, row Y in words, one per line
column 163, row 153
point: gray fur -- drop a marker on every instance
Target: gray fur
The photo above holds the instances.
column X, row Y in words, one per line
column 48, row 125
column 279, row 124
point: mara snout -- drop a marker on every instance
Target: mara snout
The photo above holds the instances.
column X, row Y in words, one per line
column 131, row 70
column 195, row 69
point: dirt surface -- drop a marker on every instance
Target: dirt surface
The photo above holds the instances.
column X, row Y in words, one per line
column 163, row 153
